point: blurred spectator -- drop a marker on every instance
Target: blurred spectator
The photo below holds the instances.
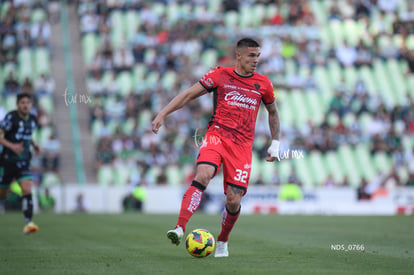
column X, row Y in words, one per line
column 44, row 85
column 362, row 193
column 329, row 182
column 81, row 206
column 346, row 54
column 11, row 85
column 104, row 153
column 51, row 154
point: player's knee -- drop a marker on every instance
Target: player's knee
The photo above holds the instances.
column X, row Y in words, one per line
column 202, row 178
column 233, row 203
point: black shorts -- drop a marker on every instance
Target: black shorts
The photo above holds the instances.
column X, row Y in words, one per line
column 10, row 171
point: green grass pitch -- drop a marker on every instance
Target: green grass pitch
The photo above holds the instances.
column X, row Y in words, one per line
column 259, row 244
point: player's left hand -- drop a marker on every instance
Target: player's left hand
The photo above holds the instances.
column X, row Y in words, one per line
column 273, row 151
column 156, row 123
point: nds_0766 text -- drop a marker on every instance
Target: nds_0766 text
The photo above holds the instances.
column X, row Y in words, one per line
column 348, row 247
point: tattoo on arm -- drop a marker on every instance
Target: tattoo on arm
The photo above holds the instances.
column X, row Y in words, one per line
column 274, row 123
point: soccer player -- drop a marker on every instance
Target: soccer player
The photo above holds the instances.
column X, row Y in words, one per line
column 237, row 94
column 16, row 137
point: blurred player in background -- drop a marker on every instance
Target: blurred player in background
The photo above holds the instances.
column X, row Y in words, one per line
column 237, row 94
column 16, row 137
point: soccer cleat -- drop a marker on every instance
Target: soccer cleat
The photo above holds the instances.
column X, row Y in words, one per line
column 30, row 228
column 175, row 235
column 221, row 250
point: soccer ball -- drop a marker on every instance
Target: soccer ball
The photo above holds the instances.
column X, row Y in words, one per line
column 200, row 243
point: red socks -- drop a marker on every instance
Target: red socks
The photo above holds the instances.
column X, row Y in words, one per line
column 227, row 223
column 189, row 204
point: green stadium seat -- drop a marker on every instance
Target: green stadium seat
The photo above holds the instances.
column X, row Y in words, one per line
column 158, row 8
column 268, row 170
column 259, row 14
column 118, row 35
column 131, row 23
column 26, row 66
column 89, row 47
column 174, row 175
column 144, row 119
column 334, row 166
column 2, row 78
column 152, row 174
column 352, row 31
column 231, row 19
column 407, row 143
column 285, row 110
column 270, row 11
column 152, row 79
column 46, row 103
column 382, row 162
column 50, row 179
column 320, row 14
column 10, row 103
column 38, row 15
column 396, row 79
column 284, row 167
column 124, row 80
column 334, row 72
column 336, row 32
column 347, row 160
column 350, row 76
column 168, row 79
column 382, row 81
column 105, row 175
column 214, row 6
column 318, row 169
column 316, row 109
column 4, row 7
column 367, row 76
column 364, row 162
column 44, row 134
column 209, row 58
column 42, row 61
column 301, row 112
column 121, row 175
column 302, row 168
column 128, row 126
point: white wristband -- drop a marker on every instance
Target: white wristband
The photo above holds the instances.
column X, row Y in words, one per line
column 273, row 150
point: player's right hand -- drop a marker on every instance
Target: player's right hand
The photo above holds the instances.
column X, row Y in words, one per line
column 273, row 151
column 156, row 124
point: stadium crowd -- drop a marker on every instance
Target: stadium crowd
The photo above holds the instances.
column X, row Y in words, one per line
column 144, row 52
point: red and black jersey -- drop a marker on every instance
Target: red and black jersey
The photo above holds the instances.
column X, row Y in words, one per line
column 236, row 103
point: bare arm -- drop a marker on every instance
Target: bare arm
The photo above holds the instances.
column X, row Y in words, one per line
column 176, row 103
column 274, row 125
column 15, row 147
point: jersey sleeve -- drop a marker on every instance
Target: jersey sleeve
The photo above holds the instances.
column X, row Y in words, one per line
column 269, row 95
column 7, row 123
column 210, row 80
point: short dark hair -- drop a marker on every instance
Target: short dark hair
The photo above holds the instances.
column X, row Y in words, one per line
column 247, row 42
column 23, row 95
